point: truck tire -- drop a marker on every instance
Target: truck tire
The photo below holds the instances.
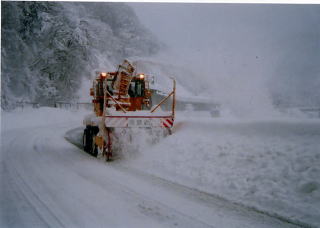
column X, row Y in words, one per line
column 87, row 140
column 94, row 147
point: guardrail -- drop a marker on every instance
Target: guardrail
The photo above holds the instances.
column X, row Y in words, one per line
column 23, row 105
column 311, row 110
column 76, row 105
column 63, row 105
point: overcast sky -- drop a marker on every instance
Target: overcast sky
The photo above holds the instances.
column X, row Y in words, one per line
column 278, row 43
column 203, row 26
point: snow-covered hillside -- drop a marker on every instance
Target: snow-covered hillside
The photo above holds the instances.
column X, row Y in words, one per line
column 49, row 48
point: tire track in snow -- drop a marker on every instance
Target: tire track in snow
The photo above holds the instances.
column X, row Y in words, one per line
column 21, row 186
column 146, row 205
column 209, row 198
column 206, row 198
column 35, row 143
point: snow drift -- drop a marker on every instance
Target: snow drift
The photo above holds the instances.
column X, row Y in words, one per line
column 270, row 165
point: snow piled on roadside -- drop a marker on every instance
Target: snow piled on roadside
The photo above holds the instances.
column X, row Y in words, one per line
column 271, row 165
column 44, row 116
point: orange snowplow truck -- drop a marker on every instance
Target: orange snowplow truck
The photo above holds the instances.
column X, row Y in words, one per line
column 122, row 99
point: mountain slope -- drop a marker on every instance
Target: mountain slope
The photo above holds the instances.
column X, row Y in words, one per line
column 49, row 47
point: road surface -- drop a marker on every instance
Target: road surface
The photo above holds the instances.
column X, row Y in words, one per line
column 48, row 182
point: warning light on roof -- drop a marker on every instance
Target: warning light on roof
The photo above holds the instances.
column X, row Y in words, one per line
column 141, row 76
column 103, row 74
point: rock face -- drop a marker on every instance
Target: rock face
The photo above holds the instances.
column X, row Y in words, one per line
column 49, row 47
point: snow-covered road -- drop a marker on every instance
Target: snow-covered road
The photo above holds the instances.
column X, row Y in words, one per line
column 48, row 182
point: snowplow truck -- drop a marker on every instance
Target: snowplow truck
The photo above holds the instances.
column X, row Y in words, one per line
column 123, row 99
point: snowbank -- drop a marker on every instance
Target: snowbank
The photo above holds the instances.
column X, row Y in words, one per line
column 270, row 165
column 29, row 117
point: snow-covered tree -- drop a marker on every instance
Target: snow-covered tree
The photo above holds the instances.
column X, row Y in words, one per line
column 48, row 47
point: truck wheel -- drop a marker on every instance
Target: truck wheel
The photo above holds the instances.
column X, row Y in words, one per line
column 94, row 148
column 84, row 139
column 87, row 138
